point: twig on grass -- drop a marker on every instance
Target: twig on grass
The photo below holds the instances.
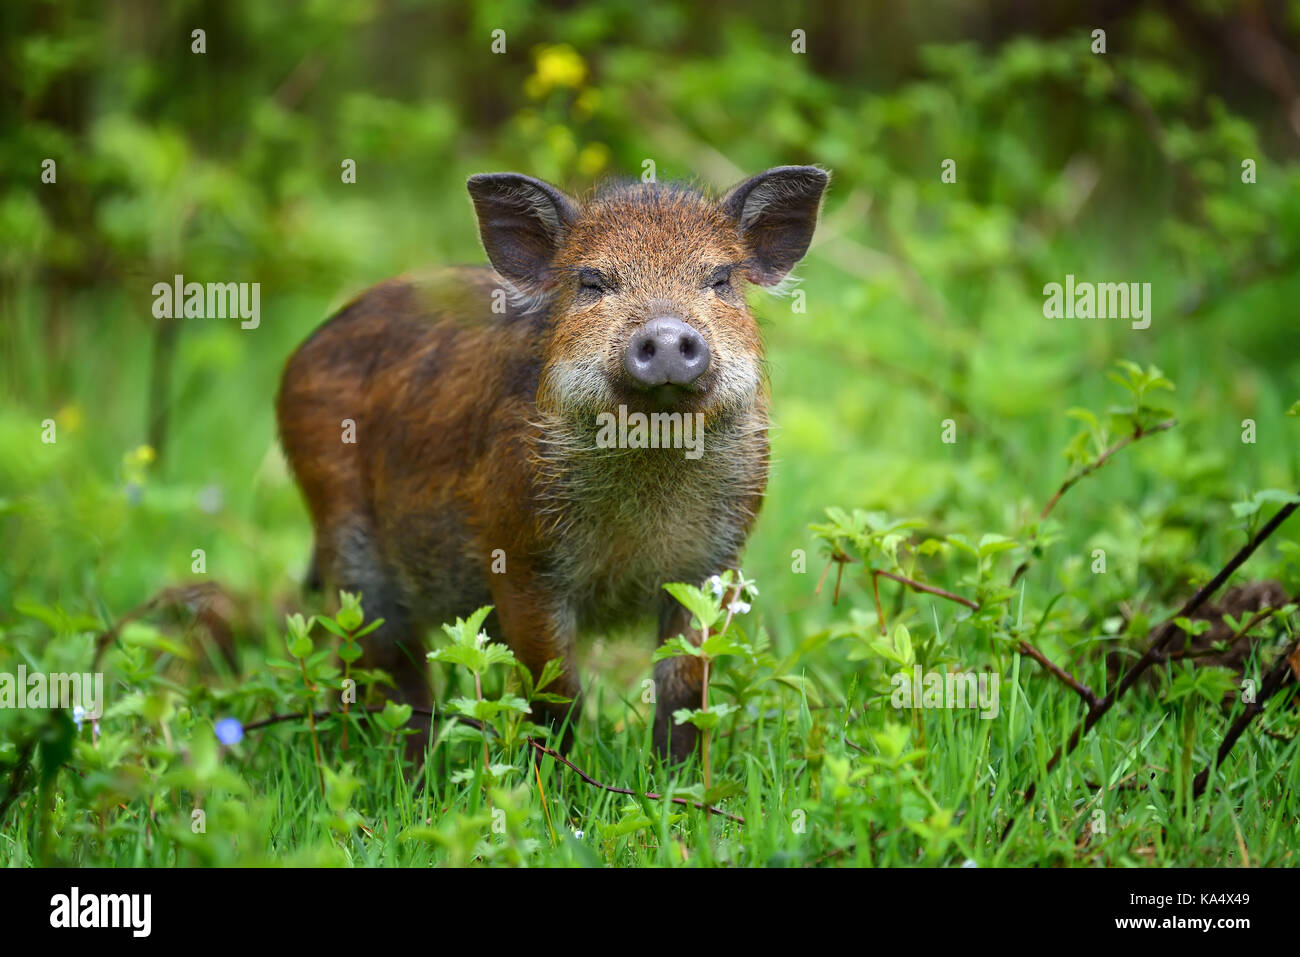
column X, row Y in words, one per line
column 1161, row 636
column 1081, row 689
column 532, row 742
column 1273, row 681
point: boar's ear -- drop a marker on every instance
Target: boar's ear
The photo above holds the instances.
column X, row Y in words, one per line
column 521, row 221
column 776, row 213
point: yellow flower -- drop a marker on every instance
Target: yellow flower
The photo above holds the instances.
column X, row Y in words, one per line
column 558, row 65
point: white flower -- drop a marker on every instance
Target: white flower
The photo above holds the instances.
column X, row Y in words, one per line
column 78, row 715
column 578, row 834
column 716, row 585
column 739, row 607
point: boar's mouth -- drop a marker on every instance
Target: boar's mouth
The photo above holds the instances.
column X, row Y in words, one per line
column 666, row 396
column 672, row 396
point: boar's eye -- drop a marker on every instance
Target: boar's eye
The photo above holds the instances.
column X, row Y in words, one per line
column 720, row 279
column 592, row 282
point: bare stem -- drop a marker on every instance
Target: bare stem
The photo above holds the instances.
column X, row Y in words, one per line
column 1081, row 689
column 1137, row 434
column 478, row 692
column 311, row 723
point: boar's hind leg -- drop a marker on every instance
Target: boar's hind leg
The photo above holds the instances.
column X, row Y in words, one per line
column 678, row 684
column 396, row 647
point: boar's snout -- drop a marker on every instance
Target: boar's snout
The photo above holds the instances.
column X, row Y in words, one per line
column 666, row 351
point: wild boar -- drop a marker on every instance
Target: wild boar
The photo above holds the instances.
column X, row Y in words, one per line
column 480, row 467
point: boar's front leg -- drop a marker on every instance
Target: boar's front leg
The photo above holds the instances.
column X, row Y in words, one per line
column 679, row 682
column 538, row 629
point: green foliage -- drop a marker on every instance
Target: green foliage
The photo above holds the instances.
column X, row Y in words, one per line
column 923, row 305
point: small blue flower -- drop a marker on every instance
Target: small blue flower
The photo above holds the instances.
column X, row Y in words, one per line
column 230, row 731
column 78, row 715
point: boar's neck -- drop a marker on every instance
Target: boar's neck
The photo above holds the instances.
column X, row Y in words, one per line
column 622, row 521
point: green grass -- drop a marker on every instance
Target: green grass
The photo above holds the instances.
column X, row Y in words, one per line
column 830, row 775
column 924, row 305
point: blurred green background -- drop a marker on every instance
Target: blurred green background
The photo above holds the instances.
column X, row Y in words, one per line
column 923, row 298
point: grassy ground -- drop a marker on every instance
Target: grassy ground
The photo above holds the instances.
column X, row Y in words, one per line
column 915, row 379
column 819, row 764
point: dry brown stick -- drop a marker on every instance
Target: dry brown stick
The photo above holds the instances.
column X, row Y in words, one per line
column 1275, row 679
column 901, row 579
column 841, row 560
column 1160, row 638
column 537, row 745
column 928, row 589
column 550, row 752
column 1081, row 689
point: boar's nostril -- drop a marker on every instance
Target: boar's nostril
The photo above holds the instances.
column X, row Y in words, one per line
column 666, row 350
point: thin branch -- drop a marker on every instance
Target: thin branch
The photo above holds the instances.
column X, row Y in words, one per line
column 1137, row 434
column 1280, row 674
column 928, row 589
column 1081, row 689
column 536, row 745
column 551, row 752
column 1161, row 636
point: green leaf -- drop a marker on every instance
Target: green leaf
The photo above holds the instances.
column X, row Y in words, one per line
column 724, row 644
column 1278, row 495
column 1084, row 415
column 550, row 671
column 488, row 709
column 992, row 544
column 961, row 542
column 628, row 826
column 394, row 715
column 702, row 719
column 331, row 626
column 549, row 697
column 704, row 607
column 1193, row 627
column 466, row 657
column 368, row 629
column 675, row 648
